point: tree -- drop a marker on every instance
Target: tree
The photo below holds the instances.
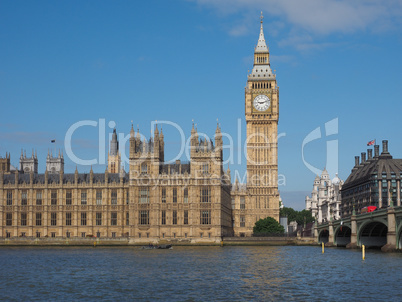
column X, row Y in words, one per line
column 304, row 216
column 289, row 213
column 268, row 225
column 299, row 216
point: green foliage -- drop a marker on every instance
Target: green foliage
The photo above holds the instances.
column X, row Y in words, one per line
column 304, row 216
column 299, row 216
column 268, row 225
column 289, row 213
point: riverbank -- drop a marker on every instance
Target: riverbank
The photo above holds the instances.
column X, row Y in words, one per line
column 228, row 241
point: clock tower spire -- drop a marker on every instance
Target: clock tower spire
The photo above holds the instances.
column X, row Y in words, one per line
column 262, row 115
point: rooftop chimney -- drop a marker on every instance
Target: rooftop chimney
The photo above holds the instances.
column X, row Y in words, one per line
column 357, row 159
column 385, row 154
column 384, row 146
column 376, row 151
column 369, row 154
column 363, row 157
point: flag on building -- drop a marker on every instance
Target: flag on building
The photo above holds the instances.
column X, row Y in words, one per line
column 371, row 143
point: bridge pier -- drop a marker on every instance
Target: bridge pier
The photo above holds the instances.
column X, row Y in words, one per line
column 353, row 235
column 316, row 230
column 331, row 234
column 391, row 234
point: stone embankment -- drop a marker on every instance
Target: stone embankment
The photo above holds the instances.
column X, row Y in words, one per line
column 227, row 241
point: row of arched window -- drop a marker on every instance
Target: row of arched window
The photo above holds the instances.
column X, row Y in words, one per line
column 262, row 60
column 261, row 85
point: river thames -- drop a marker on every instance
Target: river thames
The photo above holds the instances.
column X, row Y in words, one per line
column 198, row 274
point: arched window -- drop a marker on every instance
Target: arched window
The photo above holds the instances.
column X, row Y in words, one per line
column 144, row 168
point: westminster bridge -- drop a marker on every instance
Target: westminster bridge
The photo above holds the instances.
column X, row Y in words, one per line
column 381, row 228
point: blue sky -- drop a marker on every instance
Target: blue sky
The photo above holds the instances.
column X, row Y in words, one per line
column 62, row 62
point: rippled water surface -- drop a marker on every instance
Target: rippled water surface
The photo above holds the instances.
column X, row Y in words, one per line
column 198, row 274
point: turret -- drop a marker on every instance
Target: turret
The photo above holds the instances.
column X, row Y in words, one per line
column 114, row 144
column 16, row 178
column 114, row 158
column 161, row 146
column 61, row 176
column 132, row 142
column 193, row 140
column 156, row 143
column 218, row 136
column 228, row 176
column 46, row 177
column 54, row 164
column 28, row 164
column 76, row 176
column 91, row 176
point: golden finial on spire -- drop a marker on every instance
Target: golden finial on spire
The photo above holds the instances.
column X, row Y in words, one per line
column 262, row 17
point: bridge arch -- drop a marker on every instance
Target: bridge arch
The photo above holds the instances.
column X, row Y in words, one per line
column 342, row 235
column 323, row 236
column 372, row 234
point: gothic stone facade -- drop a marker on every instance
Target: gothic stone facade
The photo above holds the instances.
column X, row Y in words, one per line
column 259, row 198
column 156, row 201
column 153, row 202
column 325, row 200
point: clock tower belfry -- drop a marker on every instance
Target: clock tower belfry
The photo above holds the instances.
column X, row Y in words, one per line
column 262, row 115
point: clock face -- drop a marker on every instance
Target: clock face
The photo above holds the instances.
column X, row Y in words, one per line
column 261, row 102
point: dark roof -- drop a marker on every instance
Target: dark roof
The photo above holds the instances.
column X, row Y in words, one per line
column 82, row 178
column 374, row 166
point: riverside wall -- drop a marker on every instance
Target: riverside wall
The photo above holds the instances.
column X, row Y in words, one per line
column 227, row 241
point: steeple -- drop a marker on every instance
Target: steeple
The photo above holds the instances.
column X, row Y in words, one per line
column 114, row 155
column 132, row 133
column 218, row 130
column 114, row 144
column 156, row 132
column 261, row 45
column 218, row 138
column 192, row 129
column 261, row 69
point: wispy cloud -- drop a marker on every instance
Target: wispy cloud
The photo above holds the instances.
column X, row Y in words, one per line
column 318, row 16
column 314, row 18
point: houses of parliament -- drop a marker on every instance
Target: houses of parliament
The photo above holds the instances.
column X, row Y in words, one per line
column 154, row 201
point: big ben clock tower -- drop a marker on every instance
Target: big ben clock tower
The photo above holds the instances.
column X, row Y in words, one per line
column 262, row 114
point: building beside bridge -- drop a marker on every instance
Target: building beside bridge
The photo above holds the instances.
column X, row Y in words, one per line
column 325, row 200
column 374, row 181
